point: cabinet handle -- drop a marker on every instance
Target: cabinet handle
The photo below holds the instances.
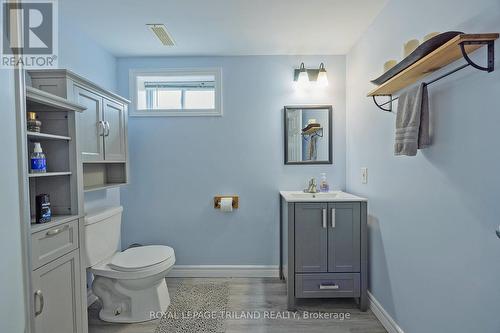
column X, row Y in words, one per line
column 107, row 127
column 328, row 286
column 333, row 217
column 39, row 295
column 101, row 126
column 56, row 231
column 324, row 218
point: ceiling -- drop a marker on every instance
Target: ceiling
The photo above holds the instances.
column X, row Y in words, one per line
column 224, row 27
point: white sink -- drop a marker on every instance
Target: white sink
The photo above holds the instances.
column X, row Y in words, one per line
column 335, row 196
column 304, row 195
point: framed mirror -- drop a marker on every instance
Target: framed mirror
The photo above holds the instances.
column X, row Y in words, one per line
column 308, row 134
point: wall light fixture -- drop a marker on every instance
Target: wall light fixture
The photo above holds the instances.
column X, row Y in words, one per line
column 304, row 75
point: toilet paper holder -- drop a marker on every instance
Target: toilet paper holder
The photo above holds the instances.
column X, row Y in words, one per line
column 217, row 199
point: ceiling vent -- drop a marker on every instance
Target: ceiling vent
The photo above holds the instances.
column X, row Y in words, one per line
column 160, row 31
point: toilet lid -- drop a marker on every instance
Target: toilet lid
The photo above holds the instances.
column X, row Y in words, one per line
column 141, row 257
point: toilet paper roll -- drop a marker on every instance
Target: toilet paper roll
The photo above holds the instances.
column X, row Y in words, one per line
column 226, row 204
column 389, row 64
column 410, row 46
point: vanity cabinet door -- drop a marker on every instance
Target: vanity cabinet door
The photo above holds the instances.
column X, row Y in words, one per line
column 115, row 131
column 344, row 237
column 91, row 127
column 311, row 240
column 57, row 296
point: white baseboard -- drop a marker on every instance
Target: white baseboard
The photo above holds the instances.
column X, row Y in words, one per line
column 390, row 325
column 227, row 271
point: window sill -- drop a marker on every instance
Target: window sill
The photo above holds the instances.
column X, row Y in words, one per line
column 176, row 113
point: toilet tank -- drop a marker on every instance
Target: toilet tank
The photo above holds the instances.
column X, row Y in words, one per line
column 102, row 234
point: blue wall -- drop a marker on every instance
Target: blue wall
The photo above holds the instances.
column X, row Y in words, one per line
column 81, row 54
column 434, row 255
column 178, row 164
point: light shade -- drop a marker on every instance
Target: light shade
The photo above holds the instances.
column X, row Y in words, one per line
column 322, row 78
column 303, row 76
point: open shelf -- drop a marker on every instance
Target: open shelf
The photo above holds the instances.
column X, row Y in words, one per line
column 101, row 176
column 45, row 136
column 57, row 117
column 439, row 58
column 36, row 98
column 55, row 221
column 49, row 174
column 99, row 187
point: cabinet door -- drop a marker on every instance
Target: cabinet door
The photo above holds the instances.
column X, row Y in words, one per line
column 344, row 237
column 311, row 237
column 115, row 133
column 91, row 129
column 58, row 296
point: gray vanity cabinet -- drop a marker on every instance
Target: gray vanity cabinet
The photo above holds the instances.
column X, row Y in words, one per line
column 311, row 240
column 324, row 250
column 58, row 304
column 327, row 237
column 344, row 239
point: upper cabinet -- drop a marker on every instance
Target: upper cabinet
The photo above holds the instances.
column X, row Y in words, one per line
column 102, row 128
column 114, row 131
column 91, row 125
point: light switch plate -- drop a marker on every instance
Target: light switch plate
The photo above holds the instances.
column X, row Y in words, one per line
column 364, row 175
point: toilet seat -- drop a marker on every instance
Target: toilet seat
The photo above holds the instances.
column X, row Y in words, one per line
column 136, row 263
column 142, row 257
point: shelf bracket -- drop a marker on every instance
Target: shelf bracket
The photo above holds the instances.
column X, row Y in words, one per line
column 380, row 106
column 491, row 55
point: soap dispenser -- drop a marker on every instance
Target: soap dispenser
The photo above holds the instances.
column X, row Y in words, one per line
column 323, row 183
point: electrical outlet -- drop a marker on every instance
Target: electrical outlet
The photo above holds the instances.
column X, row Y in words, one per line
column 364, row 175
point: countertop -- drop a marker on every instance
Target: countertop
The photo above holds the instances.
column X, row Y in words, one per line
column 336, row 196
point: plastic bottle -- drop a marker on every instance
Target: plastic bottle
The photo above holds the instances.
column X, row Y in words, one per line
column 323, row 183
column 38, row 161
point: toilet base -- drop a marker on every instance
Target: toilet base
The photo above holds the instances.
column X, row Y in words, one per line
column 131, row 301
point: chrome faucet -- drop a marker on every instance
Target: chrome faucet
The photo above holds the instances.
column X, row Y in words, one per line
column 312, row 188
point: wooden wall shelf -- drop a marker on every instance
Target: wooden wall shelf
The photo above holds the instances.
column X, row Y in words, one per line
column 439, row 58
column 312, row 130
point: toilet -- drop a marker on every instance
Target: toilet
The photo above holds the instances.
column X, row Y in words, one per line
column 131, row 284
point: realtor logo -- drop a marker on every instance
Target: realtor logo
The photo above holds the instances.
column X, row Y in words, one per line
column 29, row 33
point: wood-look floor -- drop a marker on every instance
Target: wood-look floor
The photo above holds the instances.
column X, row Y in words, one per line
column 262, row 294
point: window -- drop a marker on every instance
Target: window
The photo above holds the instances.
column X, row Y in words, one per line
column 176, row 92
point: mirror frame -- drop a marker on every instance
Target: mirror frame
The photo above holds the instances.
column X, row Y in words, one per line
column 329, row 109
